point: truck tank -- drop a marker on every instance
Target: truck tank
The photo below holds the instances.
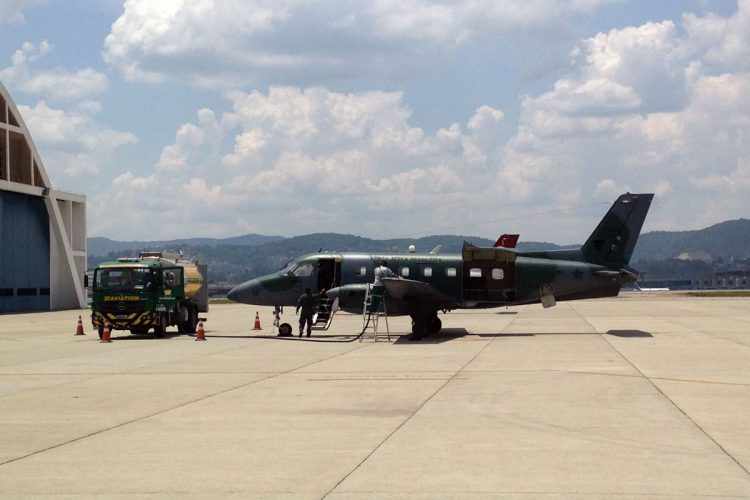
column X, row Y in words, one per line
column 196, row 282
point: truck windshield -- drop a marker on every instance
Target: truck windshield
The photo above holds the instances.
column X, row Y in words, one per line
column 123, row 278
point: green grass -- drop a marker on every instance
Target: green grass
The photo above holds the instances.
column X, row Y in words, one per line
column 720, row 293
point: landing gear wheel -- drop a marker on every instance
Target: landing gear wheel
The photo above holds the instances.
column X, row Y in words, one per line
column 418, row 330
column 285, row 330
column 435, row 325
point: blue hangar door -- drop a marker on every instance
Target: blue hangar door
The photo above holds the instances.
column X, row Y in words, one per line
column 24, row 253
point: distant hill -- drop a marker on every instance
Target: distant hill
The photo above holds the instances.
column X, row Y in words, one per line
column 730, row 239
column 232, row 260
column 98, row 246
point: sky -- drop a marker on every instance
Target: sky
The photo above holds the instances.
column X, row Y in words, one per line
column 384, row 118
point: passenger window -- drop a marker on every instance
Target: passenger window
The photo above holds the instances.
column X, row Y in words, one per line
column 363, row 271
column 303, row 270
column 475, row 273
column 451, row 272
column 498, row 274
column 427, row 272
column 405, row 272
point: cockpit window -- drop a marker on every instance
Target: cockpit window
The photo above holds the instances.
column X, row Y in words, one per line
column 288, row 267
column 303, row 270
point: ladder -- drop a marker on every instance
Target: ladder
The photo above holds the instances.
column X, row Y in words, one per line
column 373, row 310
column 324, row 316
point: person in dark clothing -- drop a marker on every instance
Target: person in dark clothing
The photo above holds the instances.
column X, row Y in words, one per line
column 306, row 308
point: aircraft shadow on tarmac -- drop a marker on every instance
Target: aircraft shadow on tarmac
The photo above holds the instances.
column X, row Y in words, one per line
column 446, row 335
column 630, row 334
column 627, row 334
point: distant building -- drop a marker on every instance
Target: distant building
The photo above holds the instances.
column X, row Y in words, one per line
column 725, row 280
column 42, row 231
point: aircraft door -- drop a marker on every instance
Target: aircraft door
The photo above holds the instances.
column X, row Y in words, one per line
column 488, row 275
column 329, row 273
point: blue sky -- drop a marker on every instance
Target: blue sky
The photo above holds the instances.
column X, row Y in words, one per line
column 384, row 118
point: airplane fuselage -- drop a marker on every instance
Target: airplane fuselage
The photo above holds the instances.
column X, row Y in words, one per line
column 462, row 284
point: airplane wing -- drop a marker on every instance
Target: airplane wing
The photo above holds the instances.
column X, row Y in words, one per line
column 408, row 290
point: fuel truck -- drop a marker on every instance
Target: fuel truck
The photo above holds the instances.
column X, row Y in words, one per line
column 156, row 290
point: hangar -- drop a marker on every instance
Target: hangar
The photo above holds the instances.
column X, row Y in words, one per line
column 42, row 230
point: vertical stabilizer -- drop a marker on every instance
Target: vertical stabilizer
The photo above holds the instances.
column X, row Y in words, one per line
column 613, row 241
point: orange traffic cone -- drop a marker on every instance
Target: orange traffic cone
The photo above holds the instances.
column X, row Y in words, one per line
column 200, row 332
column 106, row 334
column 79, row 327
column 257, row 322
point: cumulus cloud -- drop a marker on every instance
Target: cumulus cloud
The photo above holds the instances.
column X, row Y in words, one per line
column 11, row 11
column 238, row 41
column 662, row 107
column 328, row 155
column 658, row 107
column 72, row 143
column 55, row 83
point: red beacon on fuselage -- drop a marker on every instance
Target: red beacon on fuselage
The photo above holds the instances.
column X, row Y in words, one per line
column 507, row 241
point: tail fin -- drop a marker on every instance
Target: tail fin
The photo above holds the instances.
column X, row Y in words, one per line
column 613, row 240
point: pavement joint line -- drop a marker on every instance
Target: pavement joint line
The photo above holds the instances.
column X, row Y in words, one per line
column 95, row 375
column 674, row 403
column 665, row 396
column 175, row 407
column 710, row 335
column 406, row 420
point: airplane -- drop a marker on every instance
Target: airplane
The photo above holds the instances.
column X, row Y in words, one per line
column 476, row 278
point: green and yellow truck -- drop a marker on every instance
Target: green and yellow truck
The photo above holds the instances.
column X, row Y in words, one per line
column 155, row 290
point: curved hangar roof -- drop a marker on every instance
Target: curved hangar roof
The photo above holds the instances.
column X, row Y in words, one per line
column 22, row 172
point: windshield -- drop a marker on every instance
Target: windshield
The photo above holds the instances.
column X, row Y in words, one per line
column 288, row 267
column 126, row 278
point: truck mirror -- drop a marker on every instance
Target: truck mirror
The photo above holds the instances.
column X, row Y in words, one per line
column 85, row 281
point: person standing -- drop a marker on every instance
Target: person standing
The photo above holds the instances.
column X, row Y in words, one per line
column 378, row 288
column 306, row 309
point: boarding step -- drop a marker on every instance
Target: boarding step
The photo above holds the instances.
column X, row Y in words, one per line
column 325, row 313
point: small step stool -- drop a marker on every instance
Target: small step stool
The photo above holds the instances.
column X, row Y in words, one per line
column 373, row 309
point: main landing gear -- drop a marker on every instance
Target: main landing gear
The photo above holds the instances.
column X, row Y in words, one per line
column 424, row 325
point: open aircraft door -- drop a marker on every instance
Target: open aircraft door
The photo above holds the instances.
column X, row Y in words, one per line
column 488, row 274
column 329, row 272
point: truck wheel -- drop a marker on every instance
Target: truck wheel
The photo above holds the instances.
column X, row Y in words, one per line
column 161, row 329
column 193, row 320
column 285, row 330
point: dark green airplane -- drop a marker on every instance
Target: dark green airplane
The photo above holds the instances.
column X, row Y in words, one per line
column 475, row 279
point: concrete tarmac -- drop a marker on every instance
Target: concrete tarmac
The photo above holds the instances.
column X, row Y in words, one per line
column 643, row 396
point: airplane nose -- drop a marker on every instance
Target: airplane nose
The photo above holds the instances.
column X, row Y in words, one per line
column 244, row 293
